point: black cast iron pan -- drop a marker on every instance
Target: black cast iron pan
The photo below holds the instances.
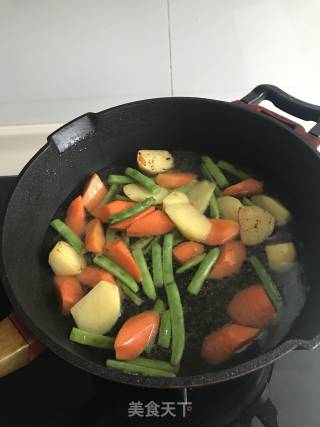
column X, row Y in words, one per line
column 272, row 147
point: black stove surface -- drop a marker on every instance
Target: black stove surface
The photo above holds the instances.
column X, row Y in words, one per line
column 51, row 392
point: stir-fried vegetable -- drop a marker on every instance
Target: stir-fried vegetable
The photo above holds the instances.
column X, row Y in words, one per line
column 177, row 323
column 116, row 271
column 68, row 234
column 113, row 191
column 131, row 368
column 143, row 180
column 157, row 269
column 252, row 307
column 76, row 216
column 64, row 260
column 281, row 256
column 228, row 167
column 135, row 335
column 168, row 275
column 93, row 340
column 98, row 311
column 215, row 172
column 267, row 281
column 201, row 274
column 147, row 282
column 190, row 264
column 165, row 330
column 154, row 230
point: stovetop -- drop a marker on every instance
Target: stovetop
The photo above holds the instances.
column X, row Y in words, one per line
column 52, row 393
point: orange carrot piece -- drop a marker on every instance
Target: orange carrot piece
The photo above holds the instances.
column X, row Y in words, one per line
column 135, row 334
column 247, row 187
column 174, row 180
column 222, row 230
column 76, row 216
column 221, row 344
column 94, row 192
column 230, row 260
column 69, row 291
column 104, row 212
column 252, row 307
column 186, row 251
column 155, row 224
column 123, row 225
column 118, row 252
column 90, row 276
column 95, row 239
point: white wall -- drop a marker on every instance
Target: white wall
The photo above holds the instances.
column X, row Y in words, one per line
column 62, row 58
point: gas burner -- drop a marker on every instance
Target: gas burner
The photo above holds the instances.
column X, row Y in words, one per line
column 234, row 404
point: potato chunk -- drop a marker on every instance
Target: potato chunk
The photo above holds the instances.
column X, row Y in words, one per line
column 256, row 225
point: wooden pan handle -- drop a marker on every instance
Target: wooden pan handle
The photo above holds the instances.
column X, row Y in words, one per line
column 18, row 347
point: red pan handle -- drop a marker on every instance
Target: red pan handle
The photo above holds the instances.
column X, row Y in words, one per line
column 288, row 104
column 18, row 346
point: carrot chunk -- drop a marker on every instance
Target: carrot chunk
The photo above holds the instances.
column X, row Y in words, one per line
column 155, row 224
column 90, row 276
column 230, row 260
column 247, row 187
column 174, row 180
column 222, row 230
column 94, row 192
column 221, row 344
column 104, row 212
column 135, row 334
column 186, row 251
column 123, row 225
column 252, row 307
column 69, row 291
column 95, row 239
column 118, row 252
column 76, row 216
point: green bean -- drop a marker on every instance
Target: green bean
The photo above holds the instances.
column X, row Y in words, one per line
column 113, row 190
column 167, row 267
column 147, row 282
column 148, row 248
column 215, row 172
column 218, row 192
column 228, row 167
column 247, row 202
column 160, row 306
column 157, row 271
column 268, row 284
column 111, row 235
column 190, row 264
column 138, row 207
column 143, row 180
column 69, row 235
column 122, row 197
column 88, row 338
column 203, row 271
column 186, row 187
column 154, row 363
column 128, row 292
column 141, row 243
column 206, row 173
column 130, row 368
column 125, row 238
column 177, row 322
column 165, row 330
column 117, row 271
column 119, row 179
column 214, row 207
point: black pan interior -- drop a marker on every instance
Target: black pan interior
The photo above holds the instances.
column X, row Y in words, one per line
column 257, row 143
